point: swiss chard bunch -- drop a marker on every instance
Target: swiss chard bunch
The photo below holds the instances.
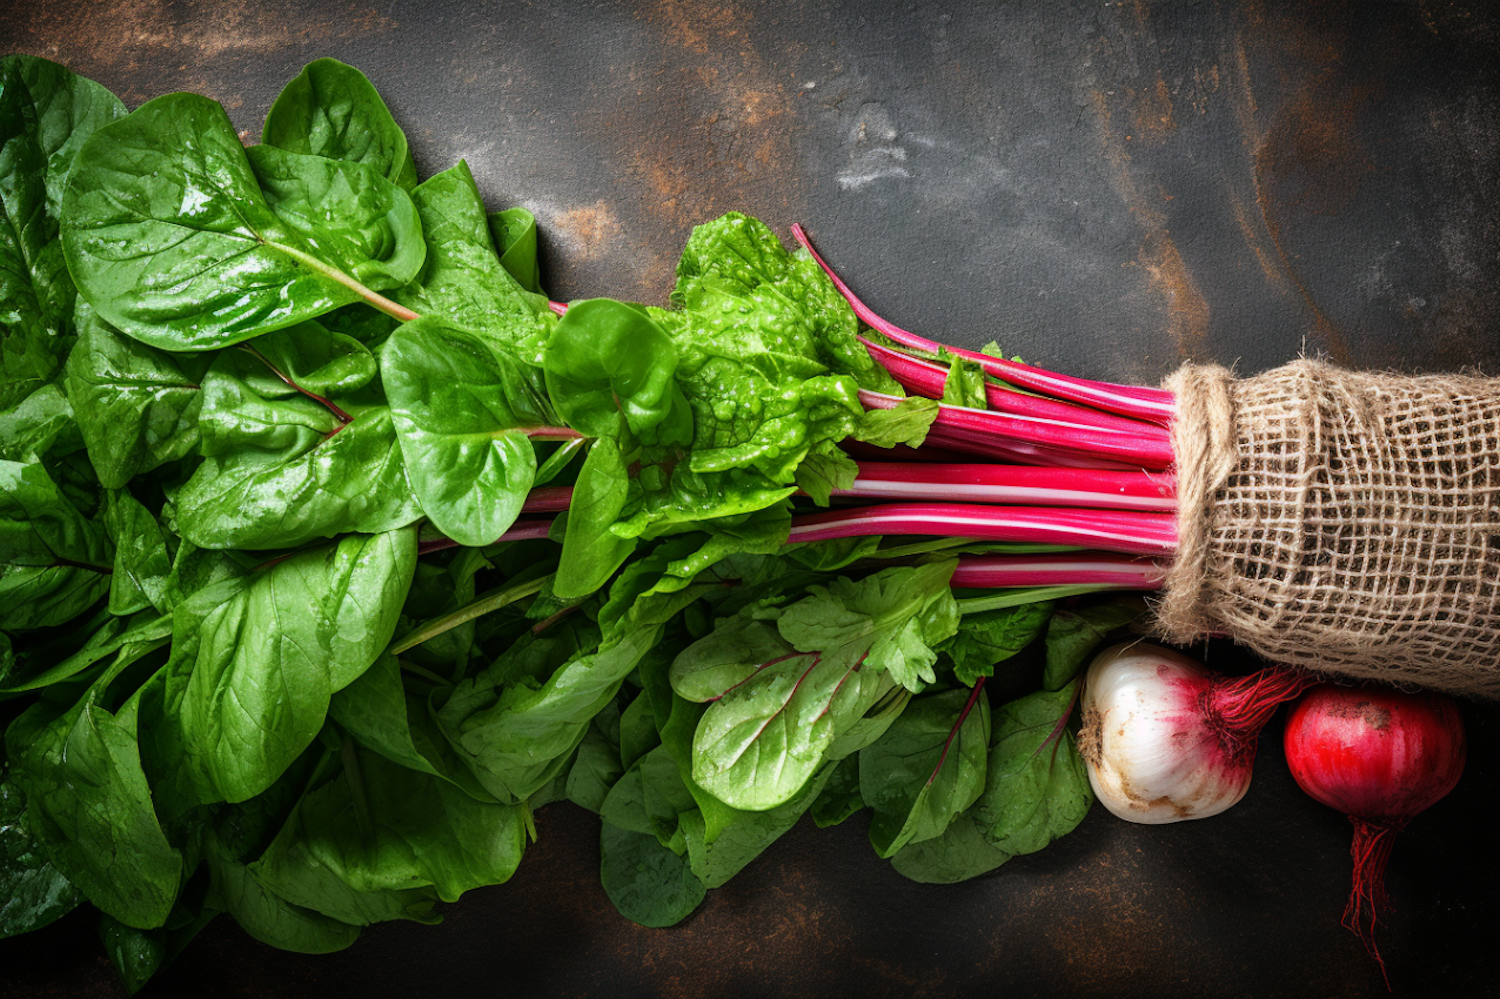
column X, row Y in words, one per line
column 282, row 634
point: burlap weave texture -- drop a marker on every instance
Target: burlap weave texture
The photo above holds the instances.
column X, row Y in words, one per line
column 1344, row 521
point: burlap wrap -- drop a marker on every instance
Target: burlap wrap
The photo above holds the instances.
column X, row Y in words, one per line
column 1343, row 521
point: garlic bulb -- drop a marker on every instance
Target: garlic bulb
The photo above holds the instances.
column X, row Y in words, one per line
column 1165, row 739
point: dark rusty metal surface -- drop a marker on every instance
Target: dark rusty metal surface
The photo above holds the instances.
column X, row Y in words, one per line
column 1107, row 188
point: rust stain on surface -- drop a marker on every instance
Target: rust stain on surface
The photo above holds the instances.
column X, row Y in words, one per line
column 1158, row 256
column 587, row 232
column 1307, row 160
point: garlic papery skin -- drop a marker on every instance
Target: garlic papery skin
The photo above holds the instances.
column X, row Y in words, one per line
column 1153, row 755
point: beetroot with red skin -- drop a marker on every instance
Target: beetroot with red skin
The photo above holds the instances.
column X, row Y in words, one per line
column 1380, row 757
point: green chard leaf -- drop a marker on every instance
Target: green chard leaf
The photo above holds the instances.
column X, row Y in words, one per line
column 1075, row 632
column 648, row 883
column 964, row 385
column 959, row 854
column 1037, row 788
column 332, row 110
column 840, row 797
column 516, row 737
column 777, row 718
column 927, row 768
column 462, row 408
column 905, row 423
column 991, row 637
column 46, row 114
column 182, row 238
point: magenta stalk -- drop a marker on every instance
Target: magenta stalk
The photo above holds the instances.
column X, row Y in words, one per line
column 1127, row 531
column 1156, row 405
column 1121, row 572
column 1012, row 485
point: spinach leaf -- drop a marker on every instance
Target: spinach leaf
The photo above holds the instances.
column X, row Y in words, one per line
column 927, row 768
column 462, row 409
column 33, row 892
column 330, row 109
column 515, row 236
column 959, row 854
column 1075, row 632
column 840, row 797
column 46, row 113
column 282, row 468
column 136, row 954
column 270, row 918
column 40, row 423
column 143, row 565
column 462, row 278
column 591, row 552
column 250, row 679
column 991, row 637
column 1037, row 788
column 171, row 238
column 89, row 804
column 609, row 363
column 516, row 738
column 54, row 562
column 648, row 883
column 377, row 710
column 382, row 842
column 136, row 406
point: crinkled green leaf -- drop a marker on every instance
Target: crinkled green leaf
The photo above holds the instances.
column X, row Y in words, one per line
column 991, row 637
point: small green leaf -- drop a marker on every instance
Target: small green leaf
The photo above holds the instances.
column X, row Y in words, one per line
column 330, row 109
column 1037, row 790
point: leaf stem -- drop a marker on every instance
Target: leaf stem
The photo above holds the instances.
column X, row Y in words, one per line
column 491, row 601
column 376, row 299
column 1030, row 595
column 343, row 417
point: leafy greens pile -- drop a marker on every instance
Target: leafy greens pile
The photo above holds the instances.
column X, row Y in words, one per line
column 266, row 647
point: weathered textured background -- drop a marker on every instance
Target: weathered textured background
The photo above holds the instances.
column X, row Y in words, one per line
column 1107, row 188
